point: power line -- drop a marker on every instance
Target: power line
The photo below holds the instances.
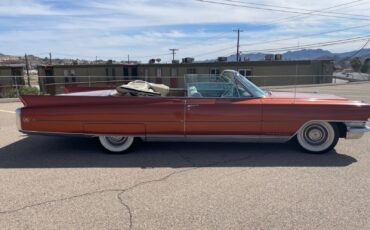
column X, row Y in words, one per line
column 317, row 45
column 312, row 45
column 297, row 16
column 360, row 50
column 301, row 9
column 283, row 39
column 277, row 10
column 341, row 6
column 308, row 35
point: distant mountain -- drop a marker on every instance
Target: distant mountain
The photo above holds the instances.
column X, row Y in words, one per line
column 306, row 54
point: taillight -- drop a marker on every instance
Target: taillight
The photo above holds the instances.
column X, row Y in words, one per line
column 18, row 118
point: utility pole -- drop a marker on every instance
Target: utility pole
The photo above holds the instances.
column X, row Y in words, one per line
column 128, row 58
column 173, row 53
column 50, row 58
column 28, row 70
column 237, row 44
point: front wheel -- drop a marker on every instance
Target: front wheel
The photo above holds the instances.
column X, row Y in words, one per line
column 116, row 144
column 318, row 137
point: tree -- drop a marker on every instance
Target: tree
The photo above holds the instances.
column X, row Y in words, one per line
column 365, row 67
column 356, row 64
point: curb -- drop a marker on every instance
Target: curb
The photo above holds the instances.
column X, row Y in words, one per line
column 9, row 100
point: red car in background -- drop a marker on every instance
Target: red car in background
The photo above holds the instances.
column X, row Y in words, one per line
column 225, row 108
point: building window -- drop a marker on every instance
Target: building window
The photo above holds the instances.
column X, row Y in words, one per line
column 106, row 72
column 69, row 73
column 173, row 72
column 158, row 78
column 173, row 79
column 65, row 73
column 134, row 71
column 214, row 71
column 245, row 72
column 191, row 71
column 146, row 74
column 159, row 72
column 125, row 71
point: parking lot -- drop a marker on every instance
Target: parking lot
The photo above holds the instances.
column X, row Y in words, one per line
column 70, row 183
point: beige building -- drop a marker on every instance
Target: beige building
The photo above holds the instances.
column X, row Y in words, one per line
column 53, row 78
column 263, row 73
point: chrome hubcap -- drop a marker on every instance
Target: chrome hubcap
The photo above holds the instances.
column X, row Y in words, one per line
column 315, row 135
column 116, row 140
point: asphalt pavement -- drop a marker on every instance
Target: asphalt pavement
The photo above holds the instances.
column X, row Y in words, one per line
column 70, row 183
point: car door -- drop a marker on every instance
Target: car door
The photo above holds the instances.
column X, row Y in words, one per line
column 233, row 115
column 163, row 116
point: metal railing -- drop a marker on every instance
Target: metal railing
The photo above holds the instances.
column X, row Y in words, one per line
column 13, row 86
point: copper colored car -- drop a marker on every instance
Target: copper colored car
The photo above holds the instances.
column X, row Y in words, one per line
column 224, row 108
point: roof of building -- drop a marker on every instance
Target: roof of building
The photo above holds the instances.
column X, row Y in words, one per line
column 282, row 62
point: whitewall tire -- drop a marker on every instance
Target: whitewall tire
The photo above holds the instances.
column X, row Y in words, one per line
column 116, row 144
column 318, row 136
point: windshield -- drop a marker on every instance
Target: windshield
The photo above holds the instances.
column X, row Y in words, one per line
column 255, row 90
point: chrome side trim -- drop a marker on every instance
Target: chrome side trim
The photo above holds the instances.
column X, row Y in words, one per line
column 44, row 133
column 180, row 138
column 237, row 138
column 18, row 117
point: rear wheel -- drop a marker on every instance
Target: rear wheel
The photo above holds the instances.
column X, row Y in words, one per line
column 318, row 137
column 116, row 144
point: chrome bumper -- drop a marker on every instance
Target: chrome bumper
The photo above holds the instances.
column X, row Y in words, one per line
column 18, row 120
column 356, row 131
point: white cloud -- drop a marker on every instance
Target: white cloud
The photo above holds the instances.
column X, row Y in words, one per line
column 114, row 28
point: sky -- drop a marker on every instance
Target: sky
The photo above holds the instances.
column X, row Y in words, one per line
column 144, row 29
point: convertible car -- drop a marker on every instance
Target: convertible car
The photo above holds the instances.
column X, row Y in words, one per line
column 226, row 108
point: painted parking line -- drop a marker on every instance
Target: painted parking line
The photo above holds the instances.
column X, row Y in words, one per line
column 7, row 111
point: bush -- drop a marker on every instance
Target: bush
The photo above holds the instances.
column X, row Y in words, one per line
column 356, row 64
column 27, row 90
column 365, row 68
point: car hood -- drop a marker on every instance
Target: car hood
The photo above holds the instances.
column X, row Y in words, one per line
column 311, row 96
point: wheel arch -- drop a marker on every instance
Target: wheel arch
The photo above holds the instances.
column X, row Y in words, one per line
column 342, row 128
column 341, row 125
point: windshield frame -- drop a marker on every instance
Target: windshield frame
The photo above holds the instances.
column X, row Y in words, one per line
column 249, row 86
